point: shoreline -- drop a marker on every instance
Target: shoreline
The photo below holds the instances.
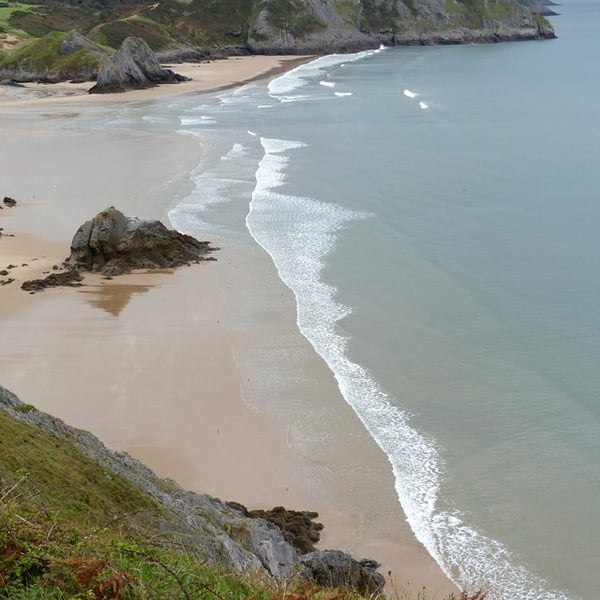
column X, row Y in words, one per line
column 207, row 345
column 213, row 76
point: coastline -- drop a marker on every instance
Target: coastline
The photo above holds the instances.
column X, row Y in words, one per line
column 100, row 360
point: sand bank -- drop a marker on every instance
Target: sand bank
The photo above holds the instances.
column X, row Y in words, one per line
column 201, row 373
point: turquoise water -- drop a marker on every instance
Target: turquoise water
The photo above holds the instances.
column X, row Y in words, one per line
column 435, row 211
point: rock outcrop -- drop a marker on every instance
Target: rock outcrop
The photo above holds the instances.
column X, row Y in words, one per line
column 298, row 527
column 53, row 58
column 333, row 568
column 325, row 26
column 68, row 279
column 133, row 66
column 217, row 533
column 113, row 244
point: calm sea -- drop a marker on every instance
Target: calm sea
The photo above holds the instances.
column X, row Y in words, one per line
column 435, row 212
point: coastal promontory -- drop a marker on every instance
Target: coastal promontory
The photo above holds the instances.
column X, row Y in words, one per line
column 87, row 41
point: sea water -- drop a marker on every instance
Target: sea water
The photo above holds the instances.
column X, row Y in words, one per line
column 435, row 213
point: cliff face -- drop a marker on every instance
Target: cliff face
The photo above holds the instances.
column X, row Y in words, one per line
column 205, row 28
column 318, row 26
column 82, row 483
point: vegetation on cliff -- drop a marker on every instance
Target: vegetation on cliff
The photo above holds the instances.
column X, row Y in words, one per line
column 78, row 521
column 32, row 29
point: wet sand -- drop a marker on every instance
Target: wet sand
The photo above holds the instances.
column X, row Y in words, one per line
column 201, row 373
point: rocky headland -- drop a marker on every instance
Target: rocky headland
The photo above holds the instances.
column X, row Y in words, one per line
column 218, row 534
column 132, row 66
column 119, row 52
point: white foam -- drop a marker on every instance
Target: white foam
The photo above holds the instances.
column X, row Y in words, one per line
column 423, row 105
column 329, row 84
column 296, row 78
column 410, row 94
column 343, row 94
column 299, row 233
column 202, row 120
column 236, row 151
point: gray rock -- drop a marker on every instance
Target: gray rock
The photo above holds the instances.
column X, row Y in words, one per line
column 206, row 526
column 113, row 244
column 74, row 41
column 133, row 66
column 333, row 568
column 327, row 26
column 219, row 533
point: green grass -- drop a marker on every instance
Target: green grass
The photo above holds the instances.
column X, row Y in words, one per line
column 70, row 529
column 41, row 56
column 473, row 13
column 8, row 10
column 349, row 10
column 292, row 17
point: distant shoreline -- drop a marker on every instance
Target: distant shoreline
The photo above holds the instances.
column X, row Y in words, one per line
column 204, row 77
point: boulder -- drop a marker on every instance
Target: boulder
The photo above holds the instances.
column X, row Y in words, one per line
column 113, row 244
column 334, row 568
column 297, row 526
column 133, row 66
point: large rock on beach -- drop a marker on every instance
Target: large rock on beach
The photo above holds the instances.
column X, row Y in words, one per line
column 133, row 66
column 113, row 244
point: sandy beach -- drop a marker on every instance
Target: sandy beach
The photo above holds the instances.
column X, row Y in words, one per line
column 201, row 373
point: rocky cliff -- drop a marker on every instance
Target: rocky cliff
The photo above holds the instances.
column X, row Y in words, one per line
column 133, row 497
column 319, row 26
column 133, row 66
column 203, row 29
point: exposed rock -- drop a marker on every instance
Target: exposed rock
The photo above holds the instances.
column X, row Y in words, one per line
column 132, row 66
column 333, row 568
column 74, row 41
column 207, row 527
column 50, row 60
column 325, row 26
column 114, row 244
column 218, row 533
column 298, row 527
column 187, row 53
column 9, row 201
column 68, row 278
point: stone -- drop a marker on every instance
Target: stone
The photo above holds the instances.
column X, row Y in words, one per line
column 334, row 568
column 9, row 201
column 68, row 278
column 74, row 41
column 133, row 66
column 298, row 527
column 114, row 244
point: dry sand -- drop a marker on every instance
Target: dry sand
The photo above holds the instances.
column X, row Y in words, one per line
column 213, row 75
column 201, row 373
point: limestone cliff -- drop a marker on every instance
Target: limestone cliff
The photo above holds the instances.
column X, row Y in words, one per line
column 132, row 66
column 319, row 26
column 73, row 473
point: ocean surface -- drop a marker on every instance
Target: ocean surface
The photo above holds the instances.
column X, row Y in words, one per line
column 435, row 212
